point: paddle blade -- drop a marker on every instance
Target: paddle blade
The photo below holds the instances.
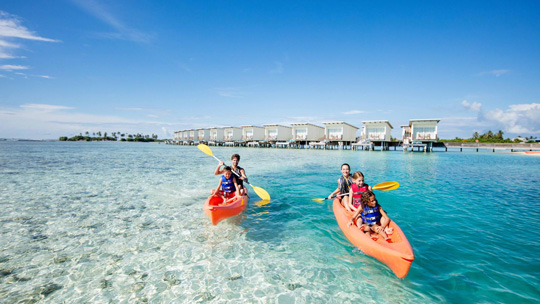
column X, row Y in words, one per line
column 205, row 149
column 262, row 193
column 386, row 186
column 318, row 199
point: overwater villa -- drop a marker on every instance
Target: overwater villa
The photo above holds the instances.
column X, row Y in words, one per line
column 337, row 135
column 203, row 135
column 421, row 133
column 177, row 137
column 375, row 132
column 216, row 136
column 185, row 137
column 274, row 134
column 232, row 135
column 303, row 133
column 252, row 135
column 191, row 136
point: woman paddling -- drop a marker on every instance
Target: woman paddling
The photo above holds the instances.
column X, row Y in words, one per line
column 344, row 185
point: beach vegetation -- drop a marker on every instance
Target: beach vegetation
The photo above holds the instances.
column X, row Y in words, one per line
column 487, row 137
column 97, row 136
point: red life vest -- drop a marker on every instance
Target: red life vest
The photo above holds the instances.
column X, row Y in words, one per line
column 357, row 194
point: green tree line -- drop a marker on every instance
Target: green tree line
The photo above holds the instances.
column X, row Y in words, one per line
column 114, row 136
column 489, row 137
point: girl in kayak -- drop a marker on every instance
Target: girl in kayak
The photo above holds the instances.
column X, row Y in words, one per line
column 240, row 172
column 357, row 188
column 227, row 187
column 370, row 217
column 344, row 186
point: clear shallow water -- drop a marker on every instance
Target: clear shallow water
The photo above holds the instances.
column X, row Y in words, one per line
column 123, row 222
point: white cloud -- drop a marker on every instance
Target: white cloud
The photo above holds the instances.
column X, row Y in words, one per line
column 353, row 112
column 475, row 106
column 45, row 107
column 518, row 119
column 9, row 67
column 123, row 32
column 11, row 28
column 43, row 76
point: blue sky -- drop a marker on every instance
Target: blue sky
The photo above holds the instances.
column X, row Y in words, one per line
column 71, row 66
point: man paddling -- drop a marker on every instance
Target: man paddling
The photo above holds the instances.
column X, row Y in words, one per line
column 239, row 171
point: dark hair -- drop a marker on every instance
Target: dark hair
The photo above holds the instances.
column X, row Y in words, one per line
column 235, row 156
column 227, row 168
column 365, row 197
column 345, row 164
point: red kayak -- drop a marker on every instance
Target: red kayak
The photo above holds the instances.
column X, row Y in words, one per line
column 398, row 254
column 217, row 212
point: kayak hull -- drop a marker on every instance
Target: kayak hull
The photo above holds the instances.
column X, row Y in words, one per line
column 217, row 212
column 397, row 255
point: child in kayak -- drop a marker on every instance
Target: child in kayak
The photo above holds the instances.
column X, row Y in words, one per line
column 227, row 188
column 240, row 172
column 357, row 188
column 370, row 217
column 344, row 185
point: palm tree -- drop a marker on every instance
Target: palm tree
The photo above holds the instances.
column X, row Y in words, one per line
column 500, row 135
column 475, row 135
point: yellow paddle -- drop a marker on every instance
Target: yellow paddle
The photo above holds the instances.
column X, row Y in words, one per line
column 259, row 191
column 386, row 186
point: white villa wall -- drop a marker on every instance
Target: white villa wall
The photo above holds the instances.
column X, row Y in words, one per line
column 277, row 132
column 308, row 132
column 340, row 131
column 216, row 134
column 203, row 134
column 424, row 129
column 252, row 133
column 406, row 134
column 377, row 130
column 232, row 134
column 191, row 135
column 177, row 135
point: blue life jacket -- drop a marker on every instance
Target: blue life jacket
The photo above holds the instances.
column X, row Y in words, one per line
column 371, row 215
column 227, row 185
column 345, row 185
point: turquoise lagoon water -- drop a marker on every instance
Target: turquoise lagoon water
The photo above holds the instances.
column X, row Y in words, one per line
column 123, row 222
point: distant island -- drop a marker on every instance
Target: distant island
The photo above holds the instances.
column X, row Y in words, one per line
column 490, row 137
column 115, row 136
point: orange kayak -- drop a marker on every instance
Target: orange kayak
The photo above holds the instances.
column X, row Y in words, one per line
column 398, row 255
column 217, row 213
